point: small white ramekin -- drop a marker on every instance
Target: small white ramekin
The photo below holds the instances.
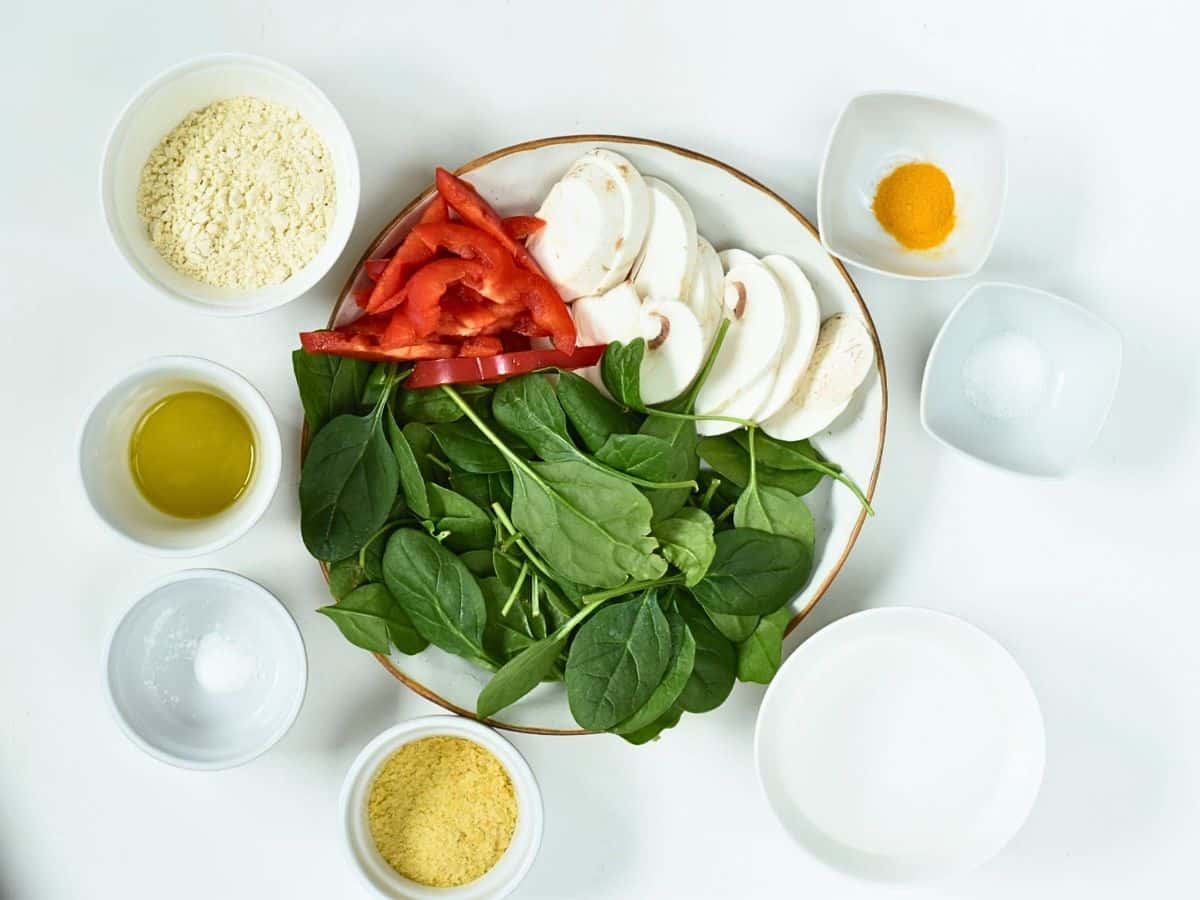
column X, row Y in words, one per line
column 504, row 877
column 158, row 107
column 104, row 457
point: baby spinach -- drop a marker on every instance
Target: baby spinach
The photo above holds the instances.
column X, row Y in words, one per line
column 753, row 573
column 345, row 575
column 348, row 484
column 479, row 562
column 329, row 386
column 776, row 511
column 731, row 462
column 678, row 671
column 621, row 371
column 432, row 407
column 438, row 592
column 735, row 628
column 801, row 456
column 520, row 675
column 420, row 439
column 616, row 661
column 594, row 417
column 527, row 407
column 651, row 732
column 759, row 654
column 648, row 457
column 467, row 448
column 687, row 542
column 715, row 667
column 469, row 527
column 369, row 617
column 412, row 482
column 681, row 435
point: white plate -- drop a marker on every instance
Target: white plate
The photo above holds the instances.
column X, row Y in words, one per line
column 900, row 745
column 732, row 210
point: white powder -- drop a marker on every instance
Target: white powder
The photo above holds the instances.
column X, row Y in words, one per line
column 240, row 194
column 222, row 666
column 1006, row 375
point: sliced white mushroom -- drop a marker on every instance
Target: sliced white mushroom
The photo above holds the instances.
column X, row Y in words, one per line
column 596, row 220
column 615, row 315
column 741, row 406
column 706, row 295
column 674, row 349
column 734, row 257
column 758, row 314
column 667, row 262
column 804, row 323
column 840, row 362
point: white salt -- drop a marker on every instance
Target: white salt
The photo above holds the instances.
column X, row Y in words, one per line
column 221, row 666
column 1006, row 375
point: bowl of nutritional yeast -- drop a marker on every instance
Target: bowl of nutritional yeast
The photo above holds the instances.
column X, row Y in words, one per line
column 230, row 184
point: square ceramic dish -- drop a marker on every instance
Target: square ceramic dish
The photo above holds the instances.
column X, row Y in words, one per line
column 1020, row 379
column 878, row 132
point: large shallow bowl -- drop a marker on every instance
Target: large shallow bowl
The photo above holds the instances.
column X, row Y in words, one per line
column 732, row 210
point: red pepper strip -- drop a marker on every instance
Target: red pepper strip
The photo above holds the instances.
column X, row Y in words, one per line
column 357, row 346
column 466, row 370
column 400, row 332
column 428, row 285
column 514, row 343
column 480, row 346
column 546, row 307
column 520, row 227
column 475, row 211
column 464, row 314
column 374, row 326
column 466, row 242
column 375, row 268
column 410, row 255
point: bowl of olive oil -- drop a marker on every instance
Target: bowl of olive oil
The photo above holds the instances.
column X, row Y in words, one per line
column 180, row 456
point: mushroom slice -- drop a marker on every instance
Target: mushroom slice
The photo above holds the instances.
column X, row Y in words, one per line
column 705, row 295
column 668, row 258
column 741, row 406
column 674, row 349
column 804, row 323
column 840, row 362
column 734, row 257
column 613, row 316
column 758, row 314
column 596, row 219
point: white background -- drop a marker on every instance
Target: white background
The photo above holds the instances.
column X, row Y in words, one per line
column 1090, row 582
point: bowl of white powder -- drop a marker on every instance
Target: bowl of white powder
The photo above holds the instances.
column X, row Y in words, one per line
column 205, row 670
column 230, row 184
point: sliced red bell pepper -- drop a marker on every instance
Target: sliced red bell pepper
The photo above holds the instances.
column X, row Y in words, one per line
column 424, row 291
column 399, row 333
column 546, row 307
column 481, row 345
column 358, row 346
column 375, row 268
column 409, row 256
column 465, row 201
column 467, row 370
column 374, row 326
column 465, row 242
column 520, row 227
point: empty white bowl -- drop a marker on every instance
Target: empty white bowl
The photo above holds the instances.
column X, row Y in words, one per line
column 249, row 649
column 900, row 745
column 878, row 132
column 161, row 105
column 1020, row 379
column 108, row 478
column 504, row 877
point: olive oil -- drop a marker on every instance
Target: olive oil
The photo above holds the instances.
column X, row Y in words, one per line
column 192, row 454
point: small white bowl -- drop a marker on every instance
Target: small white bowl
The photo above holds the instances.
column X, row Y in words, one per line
column 877, row 132
column 158, row 107
column 1020, row 379
column 150, row 670
column 504, row 877
column 108, row 479
column 900, row 745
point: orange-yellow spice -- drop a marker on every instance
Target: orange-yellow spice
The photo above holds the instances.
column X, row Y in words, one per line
column 915, row 205
column 442, row 811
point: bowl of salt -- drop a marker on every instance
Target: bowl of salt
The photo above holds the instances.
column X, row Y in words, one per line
column 205, row 670
column 1020, row 379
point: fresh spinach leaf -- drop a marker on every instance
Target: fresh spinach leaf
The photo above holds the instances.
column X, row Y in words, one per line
column 594, row 417
column 645, row 456
column 687, row 542
column 412, row 481
column 715, row 667
column 344, row 576
column 469, row 526
column 731, row 462
column 678, row 671
column 527, row 407
column 787, row 455
column 621, row 371
column 369, row 617
column 776, row 511
column 506, row 633
column 736, row 628
column 348, row 484
column 616, row 661
column 376, row 384
column 651, row 732
column 759, row 654
column 420, row 439
column 479, row 562
column 330, row 386
column 432, row 406
column 520, row 675
column 467, row 448
column 680, row 434
column 438, row 592
column 753, row 573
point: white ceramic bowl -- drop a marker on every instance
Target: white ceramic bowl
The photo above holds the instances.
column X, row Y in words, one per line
column 504, row 877
column 161, row 105
column 104, row 457
column 900, row 745
column 879, row 131
column 1020, row 379
column 150, row 670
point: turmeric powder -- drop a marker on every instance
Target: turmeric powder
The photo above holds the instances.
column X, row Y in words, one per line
column 915, row 205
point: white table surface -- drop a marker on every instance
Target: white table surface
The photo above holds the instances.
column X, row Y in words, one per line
column 1090, row 582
